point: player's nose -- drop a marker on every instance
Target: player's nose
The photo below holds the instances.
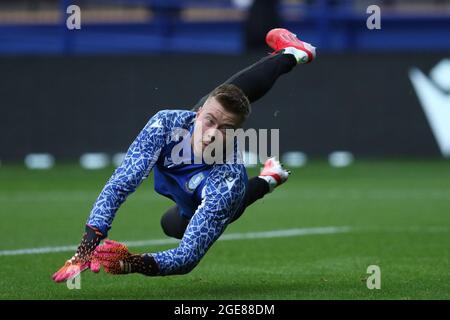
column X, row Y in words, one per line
column 211, row 134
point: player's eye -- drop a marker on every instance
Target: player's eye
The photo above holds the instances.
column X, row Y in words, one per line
column 209, row 121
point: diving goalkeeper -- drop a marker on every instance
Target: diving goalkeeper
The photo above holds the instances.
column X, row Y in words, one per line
column 207, row 196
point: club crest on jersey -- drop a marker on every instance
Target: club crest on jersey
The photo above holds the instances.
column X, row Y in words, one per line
column 194, row 182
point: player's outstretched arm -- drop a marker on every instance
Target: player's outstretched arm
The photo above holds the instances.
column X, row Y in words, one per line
column 138, row 162
column 224, row 194
column 136, row 166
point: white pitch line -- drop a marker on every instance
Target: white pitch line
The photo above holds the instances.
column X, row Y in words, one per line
column 231, row 236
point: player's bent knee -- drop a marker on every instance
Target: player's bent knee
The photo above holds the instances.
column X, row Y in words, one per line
column 169, row 230
column 173, row 224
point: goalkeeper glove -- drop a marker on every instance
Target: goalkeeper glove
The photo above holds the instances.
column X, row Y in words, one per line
column 117, row 259
column 82, row 258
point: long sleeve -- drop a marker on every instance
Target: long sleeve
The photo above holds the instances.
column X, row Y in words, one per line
column 139, row 160
column 224, row 191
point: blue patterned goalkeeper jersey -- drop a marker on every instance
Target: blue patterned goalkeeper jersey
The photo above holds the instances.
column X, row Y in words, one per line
column 208, row 194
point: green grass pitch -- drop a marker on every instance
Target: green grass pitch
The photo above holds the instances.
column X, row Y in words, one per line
column 398, row 214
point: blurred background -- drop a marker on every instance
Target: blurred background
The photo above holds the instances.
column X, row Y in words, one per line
column 375, row 103
column 371, row 93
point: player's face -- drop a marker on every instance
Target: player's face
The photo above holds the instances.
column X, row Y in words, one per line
column 211, row 122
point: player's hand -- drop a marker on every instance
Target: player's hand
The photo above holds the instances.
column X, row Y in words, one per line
column 82, row 258
column 72, row 268
column 113, row 256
